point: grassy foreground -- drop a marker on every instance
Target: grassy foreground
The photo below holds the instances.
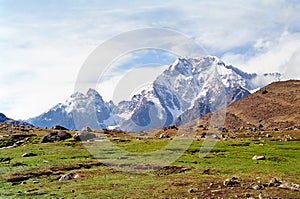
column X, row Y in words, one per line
column 188, row 177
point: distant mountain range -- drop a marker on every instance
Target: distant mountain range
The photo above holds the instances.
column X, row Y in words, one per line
column 5, row 119
column 188, row 89
column 274, row 106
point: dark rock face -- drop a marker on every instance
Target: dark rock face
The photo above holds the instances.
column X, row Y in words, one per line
column 235, row 94
column 83, row 136
column 3, row 118
column 56, row 136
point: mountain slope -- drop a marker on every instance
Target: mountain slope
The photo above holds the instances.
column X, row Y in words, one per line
column 274, row 106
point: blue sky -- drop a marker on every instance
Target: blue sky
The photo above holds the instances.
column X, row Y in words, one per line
column 43, row 44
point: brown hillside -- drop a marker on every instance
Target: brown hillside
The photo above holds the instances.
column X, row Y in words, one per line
column 274, row 106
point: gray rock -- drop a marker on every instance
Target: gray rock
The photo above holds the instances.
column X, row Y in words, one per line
column 288, row 185
column 83, row 136
column 258, row 187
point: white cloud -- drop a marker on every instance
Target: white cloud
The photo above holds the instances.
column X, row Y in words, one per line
column 277, row 56
column 125, row 85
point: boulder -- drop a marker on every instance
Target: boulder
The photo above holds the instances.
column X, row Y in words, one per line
column 56, row 136
column 84, row 135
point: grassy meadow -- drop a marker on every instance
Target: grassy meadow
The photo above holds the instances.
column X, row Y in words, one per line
column 188, row 177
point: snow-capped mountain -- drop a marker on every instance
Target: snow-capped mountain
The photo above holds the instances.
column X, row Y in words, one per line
column 78, row 111
column 189, row 88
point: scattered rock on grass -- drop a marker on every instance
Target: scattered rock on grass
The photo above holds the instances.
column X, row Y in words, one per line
column 192, row 190
column 258, row 157
column 232, row 182
column 163, row 135
column 28, row 155
column 274, row 182
column 288, row 185
column 68, row 176
column 258, row 187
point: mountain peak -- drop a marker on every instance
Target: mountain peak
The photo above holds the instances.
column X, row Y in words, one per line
column 2, row 117
column 92, row 92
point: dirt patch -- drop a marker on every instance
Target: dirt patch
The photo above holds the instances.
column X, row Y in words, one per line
column 168, row 170
column 57, row 170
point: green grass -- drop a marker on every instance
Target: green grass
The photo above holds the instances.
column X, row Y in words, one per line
column 226, row 159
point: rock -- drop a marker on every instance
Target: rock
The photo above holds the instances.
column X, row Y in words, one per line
column 35, row 182
column 274, row 182
column 88, row 129
column 123, row 157
column 83, row 136
column 18, row 164
column 68, row 176
column 288, row 185
column 58, row 127
column 258, row 157
column 206, row 171
column 192, row 190
column 232, row 182
column 268, row 136
column 163, row 135
column 8, row 159
column 258, row 187
column 28, row 155
column 56, row 136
